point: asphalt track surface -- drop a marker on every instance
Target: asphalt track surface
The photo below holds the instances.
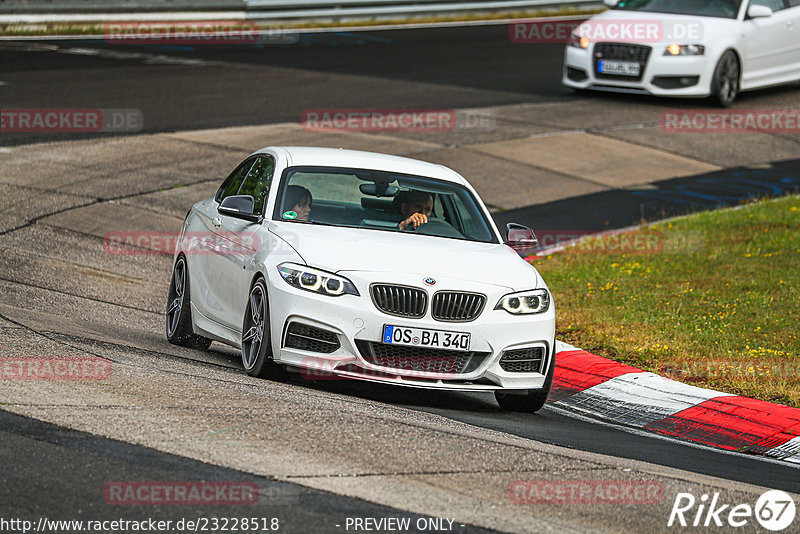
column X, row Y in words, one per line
column 559, row 427
column 192, row 87
column 32, row 451
column 233, row 86
column 236, row 85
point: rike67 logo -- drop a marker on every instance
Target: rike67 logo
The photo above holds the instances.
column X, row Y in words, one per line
column 774, row 510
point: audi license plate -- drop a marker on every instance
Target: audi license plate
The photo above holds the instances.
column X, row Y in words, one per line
column 622, row 68
column 422, row 337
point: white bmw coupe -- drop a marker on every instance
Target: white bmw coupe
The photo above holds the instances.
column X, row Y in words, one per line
column 686, row 48
column 358, row 265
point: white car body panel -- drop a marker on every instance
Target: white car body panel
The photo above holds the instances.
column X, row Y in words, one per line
column 768, row 49
column 220, row 282
column 771, row 49
column 340, row 249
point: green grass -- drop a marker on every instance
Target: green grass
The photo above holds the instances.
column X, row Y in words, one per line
column 716, row 303
column 78, row 28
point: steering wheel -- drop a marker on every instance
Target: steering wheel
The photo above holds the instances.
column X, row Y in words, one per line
column 440, row 228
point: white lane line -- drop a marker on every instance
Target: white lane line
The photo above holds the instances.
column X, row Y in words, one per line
column 182, row 16
column 789, row 451
column 3, row 83
column 31, row 18
column 639, row 398
column 147, row 59
column 563, row 346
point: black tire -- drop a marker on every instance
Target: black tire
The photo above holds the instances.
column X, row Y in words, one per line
column 256, row 339
column 532, row 401
column 725, row 84
column 179, row 311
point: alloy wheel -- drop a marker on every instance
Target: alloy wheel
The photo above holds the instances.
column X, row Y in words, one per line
column 255, row 324
column 175, row 301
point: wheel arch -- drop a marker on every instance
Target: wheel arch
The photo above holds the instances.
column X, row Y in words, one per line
column 714, row 89
column 256, row 276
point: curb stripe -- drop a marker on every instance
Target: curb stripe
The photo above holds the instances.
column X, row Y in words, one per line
column 734, row 423
column 614, row 391
column 638, row 398
column 578, row 370
column 789, row 451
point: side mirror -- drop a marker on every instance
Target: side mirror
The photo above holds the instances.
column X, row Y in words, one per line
column 239, row 206
column 521, row 238
column 610, row 3
column 758, row 12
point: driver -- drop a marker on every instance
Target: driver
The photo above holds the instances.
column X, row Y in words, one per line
column 415, row 207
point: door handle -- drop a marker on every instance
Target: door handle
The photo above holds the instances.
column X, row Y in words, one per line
column 217, row 222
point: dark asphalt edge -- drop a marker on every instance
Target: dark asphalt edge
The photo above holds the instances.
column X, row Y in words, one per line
column 651, row 203
column 601, row 437
column 84, row 444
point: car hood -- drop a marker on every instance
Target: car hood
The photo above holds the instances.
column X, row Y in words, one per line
column 337, row 249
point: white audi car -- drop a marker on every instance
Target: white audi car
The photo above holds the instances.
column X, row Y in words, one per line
column 686, row 48
column 364, row 266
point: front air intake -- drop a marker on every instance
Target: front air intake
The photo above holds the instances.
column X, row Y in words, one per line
column 310, row 338
column 420, row 359
column 522, row 360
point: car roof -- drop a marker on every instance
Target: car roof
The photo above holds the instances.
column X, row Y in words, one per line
column 358, row 159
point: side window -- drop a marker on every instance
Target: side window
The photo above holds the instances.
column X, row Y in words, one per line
column 258, row 181
column 233, row 182
column 774, row 5
column 794, row 3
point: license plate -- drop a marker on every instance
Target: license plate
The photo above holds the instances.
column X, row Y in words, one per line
column 622, row 68
column 422, row 337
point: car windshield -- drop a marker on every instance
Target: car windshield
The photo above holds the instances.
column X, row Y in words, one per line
column 700, row 8
column 379, row 200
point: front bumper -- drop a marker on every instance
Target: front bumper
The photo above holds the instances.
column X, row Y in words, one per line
column 355, row 320
column 680, row 76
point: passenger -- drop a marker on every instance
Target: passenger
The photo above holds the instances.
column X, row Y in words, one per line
column 298, row 199
column 415, row 208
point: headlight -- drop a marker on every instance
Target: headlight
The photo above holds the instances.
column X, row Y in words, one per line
column 578, row 42
column 316, row 281
column 526, row 302
column 685, row 50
